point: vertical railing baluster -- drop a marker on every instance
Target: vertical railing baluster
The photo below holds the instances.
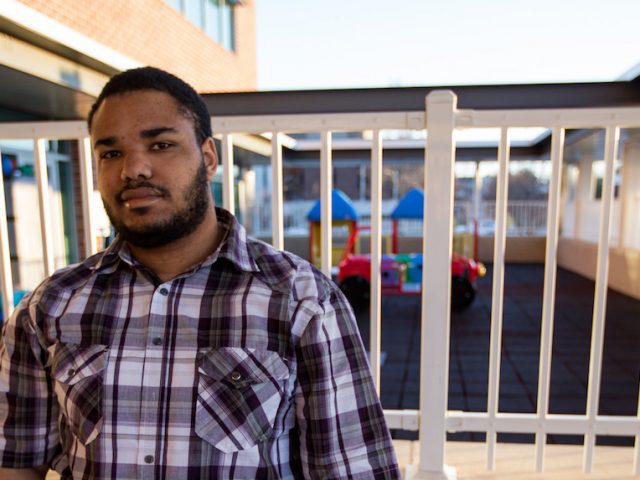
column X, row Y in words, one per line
column 326, row 186
column 86, row 193
column 5, row 255
column 227, row 173
column 636, row 450
column 600, row 301
column 44, row 204
column 549, row 294
column 497, row 298
column 277, row 216
column 376, row 254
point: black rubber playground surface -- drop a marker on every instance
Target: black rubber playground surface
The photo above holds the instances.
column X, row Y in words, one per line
column 469, row 349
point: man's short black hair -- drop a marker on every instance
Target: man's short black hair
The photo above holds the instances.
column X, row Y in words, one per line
column 151, row 78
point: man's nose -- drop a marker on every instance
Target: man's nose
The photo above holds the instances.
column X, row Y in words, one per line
column 135, row 165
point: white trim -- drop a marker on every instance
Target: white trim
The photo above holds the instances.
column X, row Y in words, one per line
column 46, row 27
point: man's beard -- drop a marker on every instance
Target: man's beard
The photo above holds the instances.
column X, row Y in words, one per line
column 181, row 224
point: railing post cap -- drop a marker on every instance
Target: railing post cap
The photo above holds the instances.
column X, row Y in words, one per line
column 441, row 96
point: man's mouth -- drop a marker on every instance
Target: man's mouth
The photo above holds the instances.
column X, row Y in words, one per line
column 139, row 197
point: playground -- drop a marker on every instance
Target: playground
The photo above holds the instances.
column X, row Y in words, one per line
column 401, row 271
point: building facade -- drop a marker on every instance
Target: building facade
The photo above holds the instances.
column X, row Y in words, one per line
column 55, row 57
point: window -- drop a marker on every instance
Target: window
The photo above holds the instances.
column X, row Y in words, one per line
column 215, row 17
column 193, row 11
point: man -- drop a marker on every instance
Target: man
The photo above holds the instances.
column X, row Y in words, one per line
column 186, row 349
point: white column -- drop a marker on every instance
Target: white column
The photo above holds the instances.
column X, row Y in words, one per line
column 623, row 194
column 436, row 282
column 477, row 194
column 583, row 193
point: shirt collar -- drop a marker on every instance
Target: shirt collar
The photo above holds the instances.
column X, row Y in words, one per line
column 234, row 247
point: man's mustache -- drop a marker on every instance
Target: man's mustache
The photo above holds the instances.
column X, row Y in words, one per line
column 142, row 184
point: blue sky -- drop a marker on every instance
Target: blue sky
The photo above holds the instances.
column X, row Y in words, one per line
column 307, row 44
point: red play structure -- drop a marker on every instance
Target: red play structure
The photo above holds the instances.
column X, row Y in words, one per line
column 402, row 273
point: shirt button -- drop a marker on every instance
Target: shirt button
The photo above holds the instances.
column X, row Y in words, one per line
column 148, row 459
column 157, row 341
column 71, row 372
column 164, row 291
column 236, row 376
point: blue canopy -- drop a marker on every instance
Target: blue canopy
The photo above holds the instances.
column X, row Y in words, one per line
column 341, row 208
column 410, row 206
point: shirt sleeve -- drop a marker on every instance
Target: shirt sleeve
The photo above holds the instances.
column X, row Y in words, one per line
column 28, row 409
column 341, row 424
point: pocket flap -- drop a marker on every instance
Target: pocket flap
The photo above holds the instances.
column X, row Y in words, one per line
column 71, row 362
column 243, row 366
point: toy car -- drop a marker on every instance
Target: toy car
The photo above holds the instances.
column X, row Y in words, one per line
column 402, row 275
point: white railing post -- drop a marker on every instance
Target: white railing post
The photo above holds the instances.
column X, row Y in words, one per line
column 44, row 204
column 86, row 192
column 277, row 222
column 376, row 254
column 5, row 255
column 436, row 283
column 549, row 295
column 227, row 173
column 497, row 297
column 326, row 187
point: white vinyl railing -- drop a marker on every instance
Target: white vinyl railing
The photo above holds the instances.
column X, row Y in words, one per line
column 524, row 217
column 441, row 118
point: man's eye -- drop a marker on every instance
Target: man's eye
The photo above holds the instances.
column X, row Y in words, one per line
column 160, row 146
column 109, row 154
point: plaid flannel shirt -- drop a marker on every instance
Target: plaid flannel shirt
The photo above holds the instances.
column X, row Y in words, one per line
column 249, row 365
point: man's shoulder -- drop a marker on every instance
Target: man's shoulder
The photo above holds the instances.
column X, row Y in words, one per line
column 286, row 271
column 70, row 277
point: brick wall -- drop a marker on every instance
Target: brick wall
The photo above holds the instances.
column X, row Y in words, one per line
column 153, row 33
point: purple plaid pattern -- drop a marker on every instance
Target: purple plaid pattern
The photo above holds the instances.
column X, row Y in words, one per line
column 247, row 366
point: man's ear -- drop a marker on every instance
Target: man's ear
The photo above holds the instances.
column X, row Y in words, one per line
column 210, row 157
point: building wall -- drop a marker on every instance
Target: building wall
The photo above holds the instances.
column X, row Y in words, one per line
column 154, row 33
column 580, row 256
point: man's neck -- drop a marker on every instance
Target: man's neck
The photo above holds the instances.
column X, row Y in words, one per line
column 177, row 257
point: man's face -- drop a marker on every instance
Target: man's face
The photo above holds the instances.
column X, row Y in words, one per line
column 152, row 174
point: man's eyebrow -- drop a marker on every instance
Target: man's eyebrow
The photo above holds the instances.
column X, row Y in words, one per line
column 154, row 132
column 107, row 142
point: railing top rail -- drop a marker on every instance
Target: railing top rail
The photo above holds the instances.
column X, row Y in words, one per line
column 400, row 120
column 559, row 95
column 548, row 118
column 53, row 129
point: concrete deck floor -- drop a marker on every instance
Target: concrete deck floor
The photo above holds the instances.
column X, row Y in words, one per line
column 516, row 461
column 469, row 350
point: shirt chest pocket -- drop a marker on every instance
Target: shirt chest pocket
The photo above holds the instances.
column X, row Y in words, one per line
column 78, row 372
column 239, row 393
